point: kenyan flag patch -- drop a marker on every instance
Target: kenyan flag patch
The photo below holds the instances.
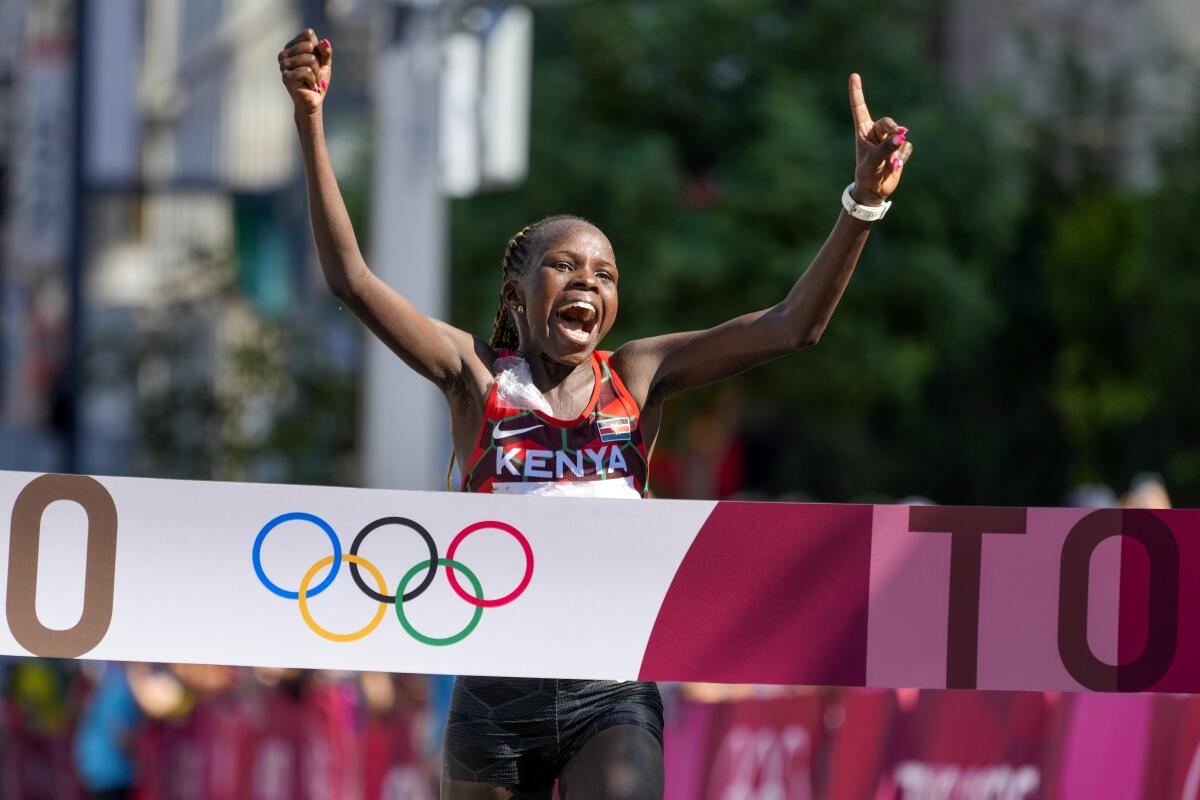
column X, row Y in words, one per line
column 613, row 429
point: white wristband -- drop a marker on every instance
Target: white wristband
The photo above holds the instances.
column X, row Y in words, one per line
column 865, row 213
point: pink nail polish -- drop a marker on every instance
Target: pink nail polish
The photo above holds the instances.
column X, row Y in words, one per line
column 898, row 139
column 897, row 164
column 326, row 43
column 324, row 84
column 902, row 129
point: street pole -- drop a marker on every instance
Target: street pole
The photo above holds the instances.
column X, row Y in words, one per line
column 405, row 428
column 72, row 372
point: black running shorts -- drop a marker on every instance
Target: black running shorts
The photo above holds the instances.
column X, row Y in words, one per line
column 524, row 730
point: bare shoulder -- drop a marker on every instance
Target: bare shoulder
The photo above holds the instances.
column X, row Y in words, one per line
column 638, row 361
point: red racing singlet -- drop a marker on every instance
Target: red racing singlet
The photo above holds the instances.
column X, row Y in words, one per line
column 600, row 453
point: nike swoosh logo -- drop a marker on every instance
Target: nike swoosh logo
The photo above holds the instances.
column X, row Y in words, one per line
column 499, row 434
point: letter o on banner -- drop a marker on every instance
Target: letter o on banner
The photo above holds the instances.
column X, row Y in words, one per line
column 1162, row 625
column 100, row 564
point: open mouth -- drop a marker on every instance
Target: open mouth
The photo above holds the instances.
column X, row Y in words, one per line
column 577, row 320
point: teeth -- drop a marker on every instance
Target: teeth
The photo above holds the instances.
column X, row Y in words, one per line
column 591, row 309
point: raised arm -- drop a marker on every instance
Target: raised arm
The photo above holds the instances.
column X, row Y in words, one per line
column 658, row 366
column 434, row 349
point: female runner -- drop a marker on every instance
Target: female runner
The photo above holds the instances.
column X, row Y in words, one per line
column 509, row 738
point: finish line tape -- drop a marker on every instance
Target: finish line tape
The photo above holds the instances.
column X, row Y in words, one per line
column 848, row 595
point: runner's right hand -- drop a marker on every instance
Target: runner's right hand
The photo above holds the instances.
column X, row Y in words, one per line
column 306, row 66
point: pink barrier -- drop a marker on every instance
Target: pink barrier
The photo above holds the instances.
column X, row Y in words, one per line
column 947, row 745
column 1183, row 773
column 34, row 765
column 763, row 747
column 1104, row 749
column 831, row 745
column 193, row 757
column 684, row 743
column 391, row 759
column 276, row 747
column 978, row 744
column 861, row 727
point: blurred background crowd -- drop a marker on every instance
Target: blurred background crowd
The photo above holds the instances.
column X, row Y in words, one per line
column 75, row 730
column 1021, row 329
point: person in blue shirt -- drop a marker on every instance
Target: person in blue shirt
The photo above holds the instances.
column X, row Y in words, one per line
column 104, row 736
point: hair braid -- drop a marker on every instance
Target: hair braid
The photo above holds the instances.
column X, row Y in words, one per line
column 505, row 335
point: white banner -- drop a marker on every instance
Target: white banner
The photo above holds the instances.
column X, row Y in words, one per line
column 591, row 576
column 788, row 593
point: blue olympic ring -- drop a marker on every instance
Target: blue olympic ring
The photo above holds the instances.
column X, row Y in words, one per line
column 270, row 526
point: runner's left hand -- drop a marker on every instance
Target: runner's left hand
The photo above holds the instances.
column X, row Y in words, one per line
column 881, row 150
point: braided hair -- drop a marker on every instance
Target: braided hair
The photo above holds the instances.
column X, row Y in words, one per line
column 520, row 247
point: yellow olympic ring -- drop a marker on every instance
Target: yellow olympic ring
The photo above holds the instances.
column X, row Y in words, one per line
column 303, row 597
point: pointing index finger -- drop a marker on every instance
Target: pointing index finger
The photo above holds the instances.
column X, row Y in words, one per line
column 858, row 106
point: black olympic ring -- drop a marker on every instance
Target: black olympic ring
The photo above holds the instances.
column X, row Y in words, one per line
column 425, row 582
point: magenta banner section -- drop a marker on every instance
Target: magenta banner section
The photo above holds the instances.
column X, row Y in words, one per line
column 773, row 591
column 849, row 744
column 1150, row 619
column 937, row 597
column 753, row 748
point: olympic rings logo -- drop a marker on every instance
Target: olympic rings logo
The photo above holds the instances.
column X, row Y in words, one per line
column 380, row 594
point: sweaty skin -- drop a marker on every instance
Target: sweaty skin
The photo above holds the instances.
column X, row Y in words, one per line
column 577, row 266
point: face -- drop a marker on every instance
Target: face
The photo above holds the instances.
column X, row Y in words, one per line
column 569, row 291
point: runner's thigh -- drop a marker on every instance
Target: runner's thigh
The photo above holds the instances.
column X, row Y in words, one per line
column 624, row 762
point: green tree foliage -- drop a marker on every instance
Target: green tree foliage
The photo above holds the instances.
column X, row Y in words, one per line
column 1012, row 330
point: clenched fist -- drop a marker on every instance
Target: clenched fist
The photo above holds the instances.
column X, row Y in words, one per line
column 306, row 66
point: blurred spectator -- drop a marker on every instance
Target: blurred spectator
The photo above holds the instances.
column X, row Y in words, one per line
column 441, row 688
column 103, row 752
column 709, row 464
column 1147, row 490
column 402, row 736
column 42, row 702
column 1091, row 495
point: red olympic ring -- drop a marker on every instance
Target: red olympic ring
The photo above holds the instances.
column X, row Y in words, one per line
column 501, row 526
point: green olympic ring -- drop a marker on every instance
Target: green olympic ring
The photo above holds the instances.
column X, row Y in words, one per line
column 416, row 634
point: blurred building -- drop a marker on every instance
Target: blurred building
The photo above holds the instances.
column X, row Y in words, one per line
column 186, row 190
column 201, row 234
column 35, row 155
column 1118, row 61
column 154, row 263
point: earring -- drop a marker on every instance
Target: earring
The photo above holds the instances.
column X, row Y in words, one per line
column 520, row 308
